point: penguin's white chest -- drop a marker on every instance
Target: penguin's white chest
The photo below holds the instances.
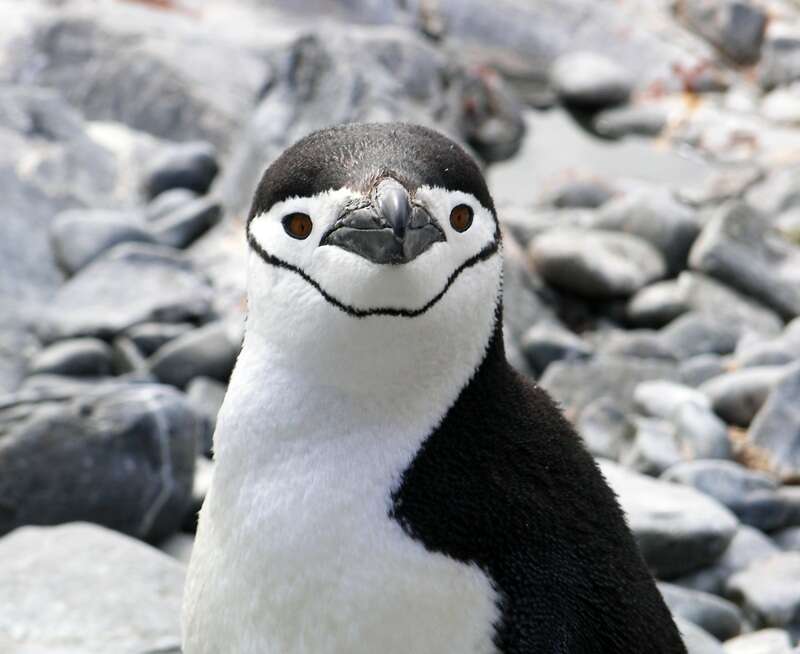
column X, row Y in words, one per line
column 296, row 551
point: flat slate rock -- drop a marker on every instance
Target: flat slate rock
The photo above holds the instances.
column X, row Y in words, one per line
column 678, row 529
column 775, row 431
column 83, row 589
column 120, row 455
column 740, row 248
column 130, row 284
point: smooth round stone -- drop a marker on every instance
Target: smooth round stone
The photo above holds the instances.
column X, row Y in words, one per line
column 79, row 357
column 657, row 304
column 694, row 333
column 788, row 539
column 699, row 369
column 605, row 428
column 717, row 616
column 737, row 396
column 547, row 342
column 662, row 399
column 191, row 166
column 697, row 640
column 769, row 591
column 765, row 641
column 590, row 80
column 678, row 529
column 596, row 264
column 167, row 202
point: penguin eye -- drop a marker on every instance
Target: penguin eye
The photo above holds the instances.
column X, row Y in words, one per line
column 461, row 217
column 298, row 225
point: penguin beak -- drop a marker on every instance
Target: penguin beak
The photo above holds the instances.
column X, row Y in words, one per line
column 390, row 230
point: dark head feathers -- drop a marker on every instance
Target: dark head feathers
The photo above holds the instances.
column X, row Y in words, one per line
column 357, row 155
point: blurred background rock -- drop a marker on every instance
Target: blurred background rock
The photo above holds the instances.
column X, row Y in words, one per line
column 645, row 160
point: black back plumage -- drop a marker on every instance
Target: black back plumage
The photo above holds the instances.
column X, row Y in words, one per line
column 505, row 483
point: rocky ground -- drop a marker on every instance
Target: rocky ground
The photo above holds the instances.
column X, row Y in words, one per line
column 645, row 158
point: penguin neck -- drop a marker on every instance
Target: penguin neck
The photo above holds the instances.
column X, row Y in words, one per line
column 382, row 377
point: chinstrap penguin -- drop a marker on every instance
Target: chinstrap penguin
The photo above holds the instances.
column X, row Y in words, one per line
column 385, row 482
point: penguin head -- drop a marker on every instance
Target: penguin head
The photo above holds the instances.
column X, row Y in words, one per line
column 372, row 220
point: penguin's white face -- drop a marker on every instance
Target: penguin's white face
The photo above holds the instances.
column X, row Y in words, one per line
column 348, row 249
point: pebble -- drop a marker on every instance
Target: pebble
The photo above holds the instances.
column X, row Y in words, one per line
column 748, row 546
column 769, row 591
column 81, row 357
column 717, row 616
column 596, row 264
column 79, row 587
column 656, row 305
column 115, row 454
column 631, row 120
column 737, row 396
column 575, row 384
column 179, row 228
column 751, row 495
column 699, row 369
column 738, row 247
column 697, row 640
column 693, row 334
column 78, row 236
column 788, row 539
column 209, row 351
column 678, row 529
column 735, row 27
column 150, row 336
column 663, row 399
column 546, row 342
column 590, row 80
column 584, row 193
column 658, row 218
column 605, row 429
column 190, row 166
column 128, row 285
column 764, row 641
column 167, row 202
column 654, row 448
column 775, row 431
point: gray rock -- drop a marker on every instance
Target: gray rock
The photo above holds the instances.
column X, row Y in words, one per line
column 678, row 529
column 697, row 640
column 130, row 284
column 209, row 351
column 118, row 455
column 605, row 429
column 82, row 357
column 751, row 495
column 657, row 304
column 547, row 342
column 186, row 223
column 630, row 120
column 587, row 79
column 583, row 193
column 663, row 399
column 790, row 495
column 788, row 539
column 150, row 336
column 127, row 357
column 769, row 591
column 179, row 547
column 777, row 192
column 739, row 248
column 697, row 370
column 772, row 351
column 80, row 587
column 657, row 217
column 764, row 641
column 775, row 431
column 780, row 61
column 577, row 383
column 737, row 396
column 642, row 344
column 166, row 93
column 654, row 448
column 715, row 615
column 596, row 264
column 748, row 546
column 702, row 295
column 206, row 396
column 167, row 202
column 191, row 166
column 78, row 237
column 701, row 434
column 735, row 27
column 694, row 333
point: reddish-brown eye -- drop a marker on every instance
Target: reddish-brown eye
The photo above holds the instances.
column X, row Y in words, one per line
column 298, row 225
column 461, row 218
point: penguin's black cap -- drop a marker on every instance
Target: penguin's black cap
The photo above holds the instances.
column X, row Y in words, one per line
column 357, row 156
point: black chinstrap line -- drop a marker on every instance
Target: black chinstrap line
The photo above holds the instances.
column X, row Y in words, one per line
column 272, row 260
